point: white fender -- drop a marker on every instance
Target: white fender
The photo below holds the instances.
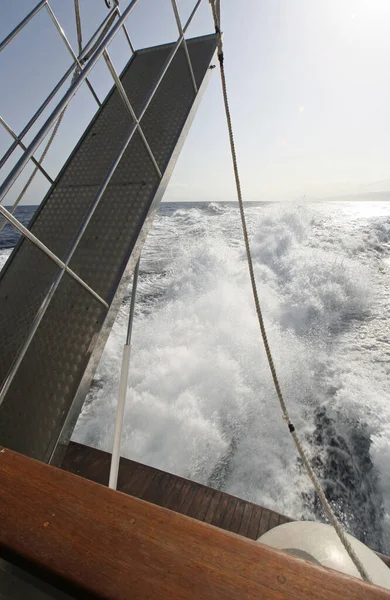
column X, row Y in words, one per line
column 319, row 543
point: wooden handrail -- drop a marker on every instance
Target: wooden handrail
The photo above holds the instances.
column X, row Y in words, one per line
column 176, row 493
column 115, row 546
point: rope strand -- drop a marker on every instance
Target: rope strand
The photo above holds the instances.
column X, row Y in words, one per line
column 317, row 485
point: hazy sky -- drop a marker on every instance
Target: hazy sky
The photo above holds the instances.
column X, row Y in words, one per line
column 309, row 84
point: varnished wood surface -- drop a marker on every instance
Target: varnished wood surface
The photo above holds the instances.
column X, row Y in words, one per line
column 118, row 546
column 173, row 492
column 176, row 493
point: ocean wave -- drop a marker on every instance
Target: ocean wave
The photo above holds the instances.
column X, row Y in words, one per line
column 4, row 254
column 215, row 208
column 201, row 400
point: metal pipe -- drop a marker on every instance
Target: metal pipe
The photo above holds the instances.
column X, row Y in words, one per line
column 102, row 187
column 178, row 22
column 20, row 143
column 101, row 31
column 119, row 156
column 8, row 182
column 70, row 49
column 218, row 11
column 99, row 195
column 39, row 316
column 132, row 304
column 45, row 304
column 35, row 324
column 36, row 241
column 22, row 24
column 40, row 110
column 126, row 101
column 125, row 29
column 192, row 15
column 167, row 63
column 31, row 122
column 120, row 410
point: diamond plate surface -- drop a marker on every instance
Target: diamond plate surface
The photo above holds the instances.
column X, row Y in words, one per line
column 42, row 392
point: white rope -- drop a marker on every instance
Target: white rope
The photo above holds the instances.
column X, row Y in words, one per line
column 317, row 485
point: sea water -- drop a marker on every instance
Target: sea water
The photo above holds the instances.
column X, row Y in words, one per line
column 201, row 402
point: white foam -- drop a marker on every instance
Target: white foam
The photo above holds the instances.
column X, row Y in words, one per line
column 4, row 254
column 201, row 402
column 199, row 383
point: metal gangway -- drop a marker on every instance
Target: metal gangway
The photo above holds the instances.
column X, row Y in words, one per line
column 62, row 286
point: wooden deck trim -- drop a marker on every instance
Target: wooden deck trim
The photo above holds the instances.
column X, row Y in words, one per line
column 186, row 497
column 116, row 546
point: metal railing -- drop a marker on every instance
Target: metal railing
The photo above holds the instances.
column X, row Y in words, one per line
column 20, row 143
column 96, row 47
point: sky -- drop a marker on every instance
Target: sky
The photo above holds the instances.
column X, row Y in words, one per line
column 308, row 80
